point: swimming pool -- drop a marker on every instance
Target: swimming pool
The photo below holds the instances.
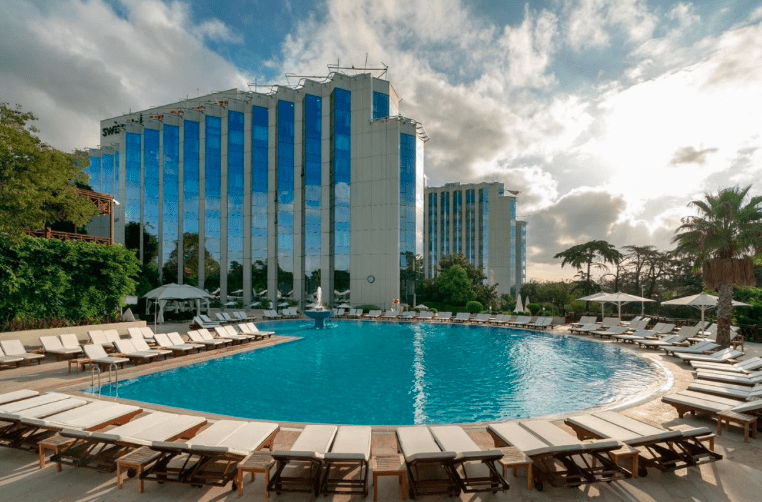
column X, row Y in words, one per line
column 377, row 373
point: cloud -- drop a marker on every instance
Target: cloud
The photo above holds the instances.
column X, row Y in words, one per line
column 217, row 31
column 74, row 63
column 689, row 155
column 590, row 23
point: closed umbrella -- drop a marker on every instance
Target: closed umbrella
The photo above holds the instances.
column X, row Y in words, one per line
column 519, row 306
column 701, row 301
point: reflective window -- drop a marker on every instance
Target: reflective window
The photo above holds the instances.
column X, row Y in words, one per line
column 341, row 159
column 484, row 229
column 470, row 227
column 407, row 214
column 512, row 233
column 117, row 188
column 432, row 234
column 285, row 198
column 170, row 211
column 313, row 111
column 150, row 195
column 235, row 203
column 95, row 174
column 380, row 105
column 445, row 217
column 213, row 187
column 190, row 201
column 259, row 186
column 107, row 168
column 457, row 229
column 131, row 200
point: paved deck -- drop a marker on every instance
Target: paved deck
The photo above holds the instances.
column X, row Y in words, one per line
column 737, row 478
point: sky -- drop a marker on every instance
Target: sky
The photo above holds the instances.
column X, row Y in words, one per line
column 608, row 116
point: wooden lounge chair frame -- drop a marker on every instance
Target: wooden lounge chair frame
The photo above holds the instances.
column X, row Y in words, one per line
column 309, row 463
column 430, row 473
column 346, row 472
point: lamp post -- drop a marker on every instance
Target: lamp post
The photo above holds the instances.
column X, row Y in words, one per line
column 642, row 303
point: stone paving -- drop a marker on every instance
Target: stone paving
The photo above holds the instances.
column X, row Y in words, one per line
column 738, row 477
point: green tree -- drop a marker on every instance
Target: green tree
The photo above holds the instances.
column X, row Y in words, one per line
column 453, row 286
column 36, row 180
column 722, row 238
column 483, row 293
column 585, row 257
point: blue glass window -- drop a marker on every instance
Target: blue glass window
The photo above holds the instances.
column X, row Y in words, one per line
column 117, row 188
column 259, row 187
column 95, row 174
column 132, row 179
column 150, row 194
column 341, row 160
column 190, row 201
column 484, row 230
column 213, row 188
column 432, row 234
column 285, row 197
column 457, row 229
column 445, row 217
column 171, row 201
column 470, row 227
column 407, row 212
column 235, row 201
column 313, row 112
column 107, row 166
column 380, row 105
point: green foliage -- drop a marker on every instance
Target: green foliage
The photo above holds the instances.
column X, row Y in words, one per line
column 36, row 181
column 483, row 293
column 473, row 307
column 585, row 257
column 534, row 308
column 454, row 286
column 749, row 316
column 368, row 308
column 51, row 279
column 558, row 294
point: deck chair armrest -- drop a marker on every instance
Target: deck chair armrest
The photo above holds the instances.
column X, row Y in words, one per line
column 484, row 455
column 601, row 444
column 433, row 456
column 696, row 432
column 296, row 455
column 359, row 457
column 77, row 434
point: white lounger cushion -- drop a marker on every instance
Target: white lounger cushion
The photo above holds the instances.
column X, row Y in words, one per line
column 44, row 410
column 418, row 444
column 249, row 437
column 351, row 443
column 454, row 438
column 32, row 402
column 17, row 395
column 90, row 416
column 217, row 432
column 515, row 435
column 315, row 440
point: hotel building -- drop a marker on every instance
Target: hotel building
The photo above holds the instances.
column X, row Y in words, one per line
column 478, row 221
column 272, row 193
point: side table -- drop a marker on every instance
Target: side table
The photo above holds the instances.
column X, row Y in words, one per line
column 255, row 463
column 389, row 465
column 748, row 422
column 137, row 460
column 514, row 459
column 56, row 444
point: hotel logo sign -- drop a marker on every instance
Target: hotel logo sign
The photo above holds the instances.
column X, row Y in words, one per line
column 109, row 131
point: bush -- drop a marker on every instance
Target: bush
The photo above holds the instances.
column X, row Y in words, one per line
column 434, row 311
column 534, row 308
column 368, row 308
column 474, row 307
column 74, row 281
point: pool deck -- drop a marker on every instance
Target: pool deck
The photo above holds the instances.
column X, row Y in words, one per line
column 736, row 478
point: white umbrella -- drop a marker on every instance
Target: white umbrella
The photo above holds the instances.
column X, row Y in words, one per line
column 701, row 301
column 622, row 298
column 594, row 298
column 344, row 306
column 519, row 305
column 255, row 304
column 422, row 307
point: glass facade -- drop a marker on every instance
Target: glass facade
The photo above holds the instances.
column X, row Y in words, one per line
column 170, row 210
column 117, row 194
column 341, row 158
column 512, row 230
column 407, row 216
column 132, row 156
column 150, row 195
column 235, row 203
column 484, row 229
column 445, row 218
column 313, row 112
column 457, row 228
column 107, row 167
column 432, row 234
column 213, row 187
column 259, row 186
column 190, row 202
column 380, row 105
column 95, row 174
column 285, row 197
column 470, row 227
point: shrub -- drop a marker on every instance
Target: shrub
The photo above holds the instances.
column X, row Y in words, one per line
column 434, row 311
column 473, row 307
column 534, row 308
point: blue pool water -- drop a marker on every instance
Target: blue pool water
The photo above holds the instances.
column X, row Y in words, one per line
column 401, row 374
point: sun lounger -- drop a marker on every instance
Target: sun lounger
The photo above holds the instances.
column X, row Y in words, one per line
column 206, row 335
column 692, row 401
column 141, row 345
column 52, row 345
column 12, row 361
column 614, row 330
column 148, row 333
column 543, row 323
column 196, row 337
column 17, row 395
column 373, row 314
column 97, row 355
column 197, row 321
column 298, row 470
column 14, row 348
column 271, row 314
column 662, row 328
column 211, row 456
column 742, row 367
column 177, row 340
column 112, row 335
column 726, row 389
column 177, row 350
column 237, row 335
column 442, row 316
column 127, row 349
column 481, row 318
column 748, row 379
column 475, row 470
column 462, row 317
column 672, row 340
column 98, row 337
column 704, row 347
column 558, row 458
column 99, row 450
column 584, row 320
column 391, row 314
column 429, row 468
column 662, row 449
column 346, row 465
column 723, row 355
column 408, row 315
column 15, row 433
column 635, row 337
column 253, row 330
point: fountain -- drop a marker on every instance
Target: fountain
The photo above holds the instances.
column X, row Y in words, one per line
column 318, row 312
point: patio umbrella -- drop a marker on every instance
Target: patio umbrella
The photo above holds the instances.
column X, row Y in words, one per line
column 701, row 301
column 594, row 298
column 620, row 299
column 519, row 306
column 167, row 292
column 422, row 307
column 344, row 306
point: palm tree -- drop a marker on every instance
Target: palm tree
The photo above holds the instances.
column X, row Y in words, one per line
column 584, row 255
column 722, row 237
